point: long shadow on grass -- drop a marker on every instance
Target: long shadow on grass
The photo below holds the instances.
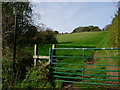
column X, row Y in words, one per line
column 65, row 42
column 72, row 46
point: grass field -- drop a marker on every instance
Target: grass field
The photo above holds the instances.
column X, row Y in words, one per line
column 75, row 40
column 70, row 64
column 78, row 40
column 71, row 61
column 85, row 39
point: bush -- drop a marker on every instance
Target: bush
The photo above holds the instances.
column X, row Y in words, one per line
column 114, row 31
column 42, row 37
column 7, row 74
column 46, row 37
column 86, row 29
column 24, row 62
column 37, row 77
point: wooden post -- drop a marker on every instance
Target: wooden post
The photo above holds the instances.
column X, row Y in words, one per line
column 35, row 52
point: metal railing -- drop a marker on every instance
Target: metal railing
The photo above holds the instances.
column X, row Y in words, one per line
column 80, row 74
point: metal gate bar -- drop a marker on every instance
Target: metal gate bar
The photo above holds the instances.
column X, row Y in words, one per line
column 82, row 78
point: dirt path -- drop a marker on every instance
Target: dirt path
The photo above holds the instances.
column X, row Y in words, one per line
column 91, row 61
column 111, row 62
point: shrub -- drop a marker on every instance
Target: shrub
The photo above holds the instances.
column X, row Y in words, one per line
column 42, row 37
column 37, row 77
column 24, row 62
column 46, row 37
column 7, row 74
column 114, row 31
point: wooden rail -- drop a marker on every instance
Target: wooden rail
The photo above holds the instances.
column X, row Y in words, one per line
column 41, row 57
column 35, row 56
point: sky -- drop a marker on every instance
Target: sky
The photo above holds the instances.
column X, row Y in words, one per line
column 65, row 16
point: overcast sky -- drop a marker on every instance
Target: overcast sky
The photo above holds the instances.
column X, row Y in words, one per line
column 65, row 16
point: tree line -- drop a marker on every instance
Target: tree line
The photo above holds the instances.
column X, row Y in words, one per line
column 19, row 15
column 114, row 29
column 17, row 21
column 86, row 29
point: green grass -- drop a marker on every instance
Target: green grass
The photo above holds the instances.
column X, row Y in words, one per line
column 75, row 40
column 85, row 39
column 43, row 50
column 78, row 40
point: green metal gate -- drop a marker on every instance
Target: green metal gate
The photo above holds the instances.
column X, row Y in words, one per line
column 75, row 65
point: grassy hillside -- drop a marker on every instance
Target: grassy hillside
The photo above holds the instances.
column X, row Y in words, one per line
column 78, row 40
column 85, row 39
column 67, row 63
column 66, row 59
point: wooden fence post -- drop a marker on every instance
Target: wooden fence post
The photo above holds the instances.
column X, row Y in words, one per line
column 35, row 54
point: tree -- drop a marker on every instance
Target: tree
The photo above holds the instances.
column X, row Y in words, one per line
column 46, row 37
column 24, row 12
column 10, row 11
column 86, row 29
column 56, row 32
column 29, row 37
column 114, row 30
column 96, row 28
column 32, row 30
column 106, row 27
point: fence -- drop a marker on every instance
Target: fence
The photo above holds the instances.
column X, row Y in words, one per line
column 82, row 72
column 36, row 56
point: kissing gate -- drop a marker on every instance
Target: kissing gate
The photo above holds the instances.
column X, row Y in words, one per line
column 95, row 66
